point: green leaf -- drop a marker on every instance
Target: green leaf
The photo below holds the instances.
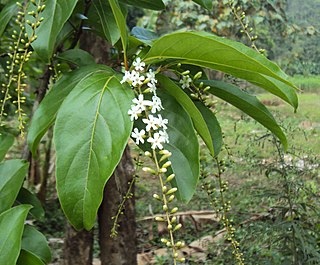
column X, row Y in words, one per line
column 12, row 173
column 77, row 57
column 6, row 14
column 248, row 104
column 106, row 25
column 45, row 115
column 147, row 4
column 213, row 126
column 56, row 13
column 144, row 35
column 6, row 141
column 12, row 223
column 207, row 50
column 90, row 134
column 27, row 258
column 196, row 116
column 27, row 197
column 204, row 3
column 183, row 145
column 35, row 242
column 121, row 24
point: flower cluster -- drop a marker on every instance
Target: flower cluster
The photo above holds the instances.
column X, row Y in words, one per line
column 146, row 106
column 155, row 125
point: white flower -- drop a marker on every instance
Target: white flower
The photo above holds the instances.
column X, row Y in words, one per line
column 156, row 141
column 156, row 104
column 126, row 77
column 152, row 87
column 164, row 136
column 151, row 77
column 141, row 103
column 152, row 123
column 185, row 81
column 162, row 122
column 138, row 135
column 138, row 65
column 136, row 78
column 134, row 112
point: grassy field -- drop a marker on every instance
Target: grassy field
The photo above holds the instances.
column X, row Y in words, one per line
column 256, row 191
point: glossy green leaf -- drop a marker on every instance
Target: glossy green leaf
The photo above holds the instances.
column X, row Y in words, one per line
column 6, row 141
column 121, row 24
column 12, row 223
column 56, row 13
column 106, row 25
column 196, row 116
column 248, row 104
column 213, row 126
column 183, row 145
column 12, row 174
column 45, row 115
column 144, row 35
column 27, row 197
column 204, row 3
column 90, row 134
column 6, row 14
column 207, row 50
column 27, row 258
column 35, row 242
column 148, row 4
column 77, row 57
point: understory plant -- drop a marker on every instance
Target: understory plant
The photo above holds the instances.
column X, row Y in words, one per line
column 154, row 90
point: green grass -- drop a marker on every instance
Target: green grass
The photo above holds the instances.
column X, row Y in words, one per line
column 251, row 192
column 307, row 83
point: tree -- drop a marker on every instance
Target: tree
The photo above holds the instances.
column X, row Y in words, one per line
column 160, row 91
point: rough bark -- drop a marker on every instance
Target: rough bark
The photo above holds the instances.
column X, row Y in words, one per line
column 121, row 250
column 78, row 247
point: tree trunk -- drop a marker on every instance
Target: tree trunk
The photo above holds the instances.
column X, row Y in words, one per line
column 121, row 250
column 78, row 247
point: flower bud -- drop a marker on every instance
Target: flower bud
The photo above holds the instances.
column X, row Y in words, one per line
column 165, row 207
column 171, row 198
column 177, row 227
column 173, row 190
column 148, row 169
column 148, row 154
column 197, row 75
column 164, row 240
column 159, row 219
column 163, row 170
column 156, row 196
column 170, row 177
column 174, row 210
column 166, row 164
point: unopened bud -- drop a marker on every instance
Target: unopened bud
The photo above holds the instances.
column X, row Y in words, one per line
column 148, row 169
column 177, row 227
column 156, row 196
column 198, row 75
column 170, row 177
column 174, row 210
column 159, row 219
column 166, row 164
column 173, row 190
column 171, row 198
column 148, row 154
column 164, row 240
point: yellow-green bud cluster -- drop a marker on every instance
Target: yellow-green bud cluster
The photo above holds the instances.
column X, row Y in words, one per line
column 19, row 55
